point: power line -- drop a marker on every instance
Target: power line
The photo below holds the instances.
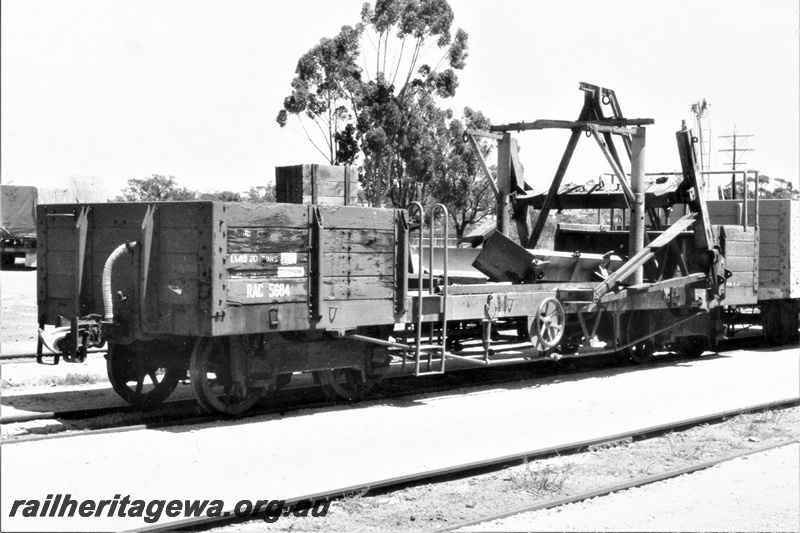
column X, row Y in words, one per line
column 737, row 142
column 736, row 148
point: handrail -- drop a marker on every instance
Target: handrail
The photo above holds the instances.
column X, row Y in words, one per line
column 420, row 297
column 445, row 275
column 421, row 279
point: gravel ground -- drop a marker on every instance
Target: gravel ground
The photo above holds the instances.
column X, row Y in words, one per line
column 18, row 325
column 753, row 493
column 445, row 503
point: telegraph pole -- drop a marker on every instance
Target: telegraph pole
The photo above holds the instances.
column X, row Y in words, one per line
column 737, row 148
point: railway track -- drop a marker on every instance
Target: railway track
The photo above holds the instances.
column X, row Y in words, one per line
column 185, row 412
column 80, row 414
column 431, row 476
column 604, row 491
column 30, row 357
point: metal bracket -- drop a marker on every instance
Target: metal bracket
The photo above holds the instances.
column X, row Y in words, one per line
column 144, row 267
column 401, row 263
column 81, row 228
column 316, row 263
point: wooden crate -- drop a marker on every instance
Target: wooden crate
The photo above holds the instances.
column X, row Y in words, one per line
column 316, row 184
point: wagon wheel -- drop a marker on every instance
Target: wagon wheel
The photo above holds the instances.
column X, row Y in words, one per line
column 141, row 383
column 213, row 387
column 692, row 347
column 346, row 384
column 779, row 322
column 640, row 324
column 8, row 259
column 549, row 323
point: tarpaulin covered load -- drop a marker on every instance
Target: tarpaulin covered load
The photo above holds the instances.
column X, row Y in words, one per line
column 18, row 202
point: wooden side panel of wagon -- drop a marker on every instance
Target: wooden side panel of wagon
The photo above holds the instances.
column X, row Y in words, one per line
column 169, row 294
column 270, row 279
column 360, row 255
column 261, row 268
column 779, row 242
column 179, row 270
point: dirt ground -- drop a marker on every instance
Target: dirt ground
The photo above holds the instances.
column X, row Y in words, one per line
column 449, row 502
column 18, row 324
column 726, row 497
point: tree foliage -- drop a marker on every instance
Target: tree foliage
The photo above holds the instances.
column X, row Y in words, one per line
column 769, row 188
column 156, row 188
column 372, row 93
column 220, row 196
column 323, row 90
column 261, row 194
column 460, row 183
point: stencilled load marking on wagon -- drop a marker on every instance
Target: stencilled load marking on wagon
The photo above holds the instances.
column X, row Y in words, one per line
column 283, row 258
column 291, row 272
column 267, row 265
column 288, row 258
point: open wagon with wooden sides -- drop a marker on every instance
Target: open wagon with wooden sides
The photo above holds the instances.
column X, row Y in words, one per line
column 764, row 254
column 239, row 296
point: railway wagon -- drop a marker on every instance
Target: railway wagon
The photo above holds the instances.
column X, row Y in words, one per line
column 239, row 298
column 190, row 286
column 774, row 265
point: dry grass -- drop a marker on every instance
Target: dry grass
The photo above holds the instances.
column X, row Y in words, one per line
column 758, row 426
column 352, row 502
column 542, row 478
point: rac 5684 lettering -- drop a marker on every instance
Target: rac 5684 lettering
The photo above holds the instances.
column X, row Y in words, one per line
column 273, row 290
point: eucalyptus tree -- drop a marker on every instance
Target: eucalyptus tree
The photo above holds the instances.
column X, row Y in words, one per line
column 323, row 97
column 372, row 91
column 460, row 183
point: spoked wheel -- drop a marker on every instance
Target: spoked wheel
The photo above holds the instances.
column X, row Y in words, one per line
column 142, row 384
column 639, row 324
column 210, row 373
column 548, row 324
column 343, row 384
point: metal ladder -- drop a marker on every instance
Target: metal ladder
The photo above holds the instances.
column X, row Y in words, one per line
column 430, row 358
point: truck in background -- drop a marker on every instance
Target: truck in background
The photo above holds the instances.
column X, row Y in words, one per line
column 18, row 212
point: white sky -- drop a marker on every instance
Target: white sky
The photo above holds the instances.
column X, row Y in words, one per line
column 125, row 89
